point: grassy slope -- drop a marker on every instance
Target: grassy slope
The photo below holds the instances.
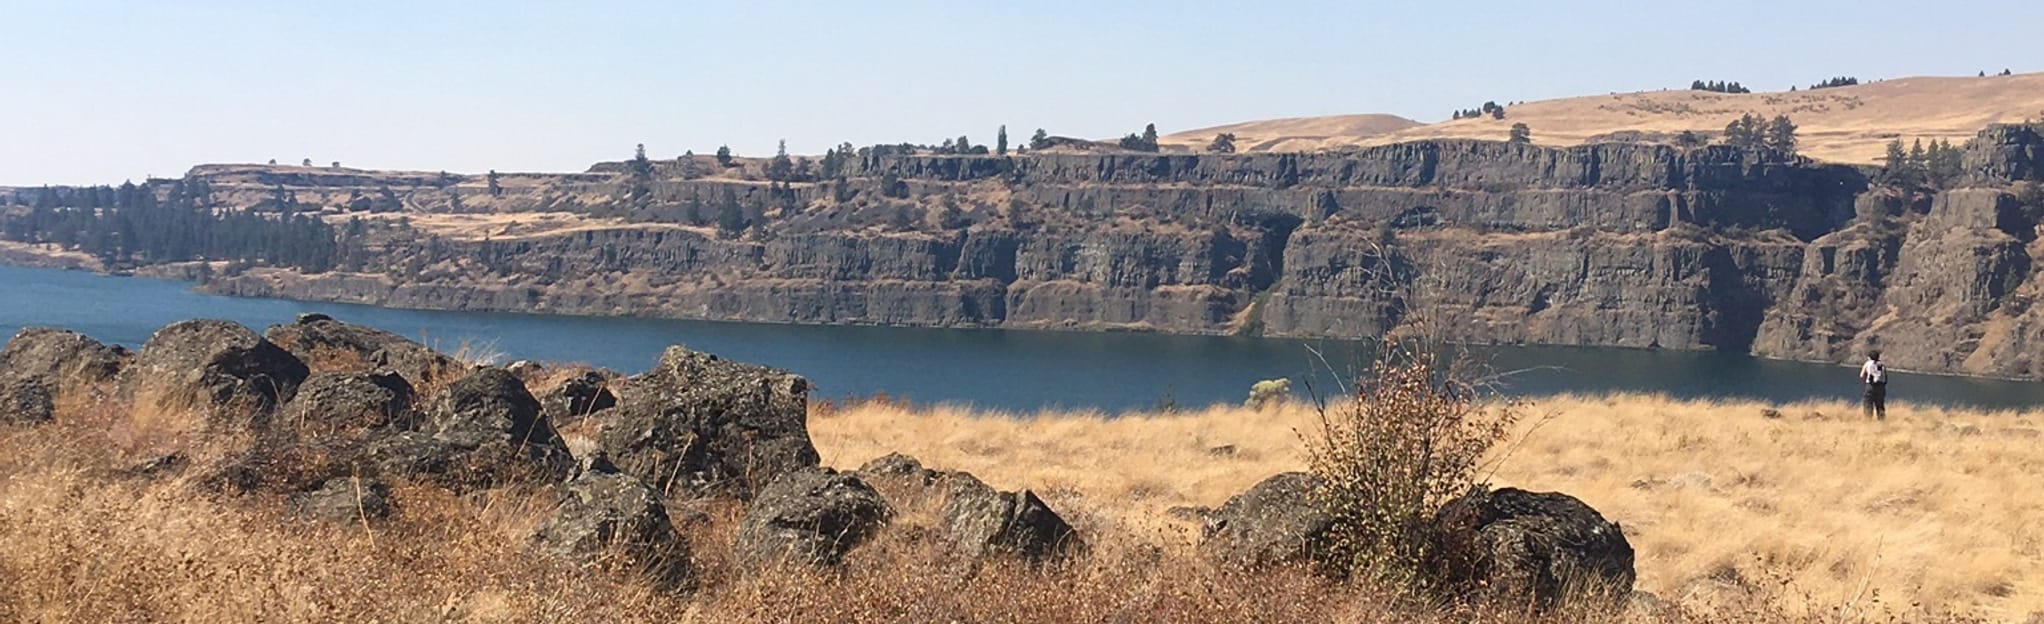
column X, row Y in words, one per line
column 1928, row 506
column 1842, row 124
column 1718, row 500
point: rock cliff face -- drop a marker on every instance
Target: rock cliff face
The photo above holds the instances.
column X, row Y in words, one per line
column 1616, row 244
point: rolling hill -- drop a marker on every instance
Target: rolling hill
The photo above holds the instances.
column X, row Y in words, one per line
column 1840, row 124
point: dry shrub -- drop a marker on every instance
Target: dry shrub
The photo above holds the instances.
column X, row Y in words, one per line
column 1413, row 436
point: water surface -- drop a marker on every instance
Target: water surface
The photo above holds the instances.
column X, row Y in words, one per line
column 1018, row 370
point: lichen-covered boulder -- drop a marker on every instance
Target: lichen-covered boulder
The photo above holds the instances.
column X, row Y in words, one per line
column 335, row 345
column 812, row 516
column 1538, row 546
column 610, row 520
column 330, row 404
column 218, row 368
column 708, row 425
column 578, row 397
column 40, row 364
column 481, row 431
column 981, row 521
column 1276, row 522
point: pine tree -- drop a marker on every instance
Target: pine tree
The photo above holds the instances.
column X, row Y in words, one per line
column 496, row 189
column 781, row 168
column 724, row 156
column 1224, row 143
column 1001, row 141
column 1781, row 135
column 1039, row 140
column 1520, row 134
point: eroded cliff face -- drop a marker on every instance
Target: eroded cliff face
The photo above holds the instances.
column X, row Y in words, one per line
column 1611, row 244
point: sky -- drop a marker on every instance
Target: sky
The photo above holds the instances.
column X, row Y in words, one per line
column 98, row 91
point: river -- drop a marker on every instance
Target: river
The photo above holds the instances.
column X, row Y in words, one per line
column 1014, row 370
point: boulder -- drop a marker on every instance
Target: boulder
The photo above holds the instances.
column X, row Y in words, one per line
column 39, row 364
column 812, row 516
column 26, row 400
column 481, row 431
column 344, row 500
column 330, row 404
column 709, row 425
column 1532, row 546
column 607, row 519
column 578, row 397
column 896, row 469
column 1276, row 522
column 218, row 367
column 981, row 521
column 335, row 345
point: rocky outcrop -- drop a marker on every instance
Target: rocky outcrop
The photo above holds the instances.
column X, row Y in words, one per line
column 218, row 368
column 1605, row 244
column 483, row 430
column 41, row 364
column 1541, row 547
column 1277, row 522
column 334, row 404
column 578, row 397
column 981, row 522
column 977, row 521
column 701, row 423
column 607, row 519
column 342, row 346
column 809, row 516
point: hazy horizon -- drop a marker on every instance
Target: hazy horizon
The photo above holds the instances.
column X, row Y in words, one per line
column 106, row 91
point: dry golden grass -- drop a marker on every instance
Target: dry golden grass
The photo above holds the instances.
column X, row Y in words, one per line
column 1918, row 507
column 1842, row 124
column 1719, row 501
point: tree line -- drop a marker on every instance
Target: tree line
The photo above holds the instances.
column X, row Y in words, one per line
column 1718, row 86
column 1935, row 166
column 1489, row 109
column 130, row 224
column 1835, row 81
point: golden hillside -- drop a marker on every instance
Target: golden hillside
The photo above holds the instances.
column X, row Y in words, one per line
column 1295, row 134
column 1842, row 124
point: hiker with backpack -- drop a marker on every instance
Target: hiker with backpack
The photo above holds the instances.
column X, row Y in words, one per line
column 1875, row 375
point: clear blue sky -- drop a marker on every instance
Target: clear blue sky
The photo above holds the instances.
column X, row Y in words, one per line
column 100, row 91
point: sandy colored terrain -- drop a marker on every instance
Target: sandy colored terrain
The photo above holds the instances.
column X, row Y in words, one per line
column 1843, row 124
column 1717, row 499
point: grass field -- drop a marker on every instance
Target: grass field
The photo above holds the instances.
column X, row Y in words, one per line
column 1841, row 124
column 1809, row 515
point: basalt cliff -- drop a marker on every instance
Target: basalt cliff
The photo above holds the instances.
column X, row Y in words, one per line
column 1606, row 244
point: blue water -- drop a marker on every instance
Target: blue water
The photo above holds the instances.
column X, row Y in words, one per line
column 1019, row 370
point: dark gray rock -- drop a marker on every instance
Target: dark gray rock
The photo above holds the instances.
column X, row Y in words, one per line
column 483, row 430
column 219, row 368
column 40, row 364
column 981, row 522
column 1537, row 546
column 318, row 337
column 578, row 397
column 708, row 425
column 1276, row 522
column 26, row 400
column 330, row 404
column 811, row 516
column 344, row 500
column 611, row 520
column 897, row 469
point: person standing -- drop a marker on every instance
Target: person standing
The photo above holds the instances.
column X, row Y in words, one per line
column 1875, row 375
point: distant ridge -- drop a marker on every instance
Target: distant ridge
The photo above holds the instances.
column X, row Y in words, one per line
column 1851, row 124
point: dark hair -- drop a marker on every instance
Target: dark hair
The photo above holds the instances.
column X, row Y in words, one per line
column 1875, row 354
